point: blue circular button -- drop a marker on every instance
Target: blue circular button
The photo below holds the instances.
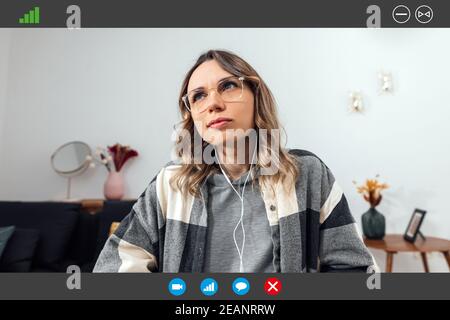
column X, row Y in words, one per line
column 241, row 286
column 209, row 287
column 177, row 287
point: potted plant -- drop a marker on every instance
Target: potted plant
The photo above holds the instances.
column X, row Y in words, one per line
column 373, row 222
column 114, row 158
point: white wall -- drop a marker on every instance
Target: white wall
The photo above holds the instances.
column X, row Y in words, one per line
column 4, row 58
column 103, row 86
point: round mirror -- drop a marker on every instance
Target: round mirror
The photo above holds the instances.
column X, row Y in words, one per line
column 71, row 158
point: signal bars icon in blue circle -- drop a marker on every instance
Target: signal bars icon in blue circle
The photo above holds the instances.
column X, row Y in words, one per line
column 209, row 287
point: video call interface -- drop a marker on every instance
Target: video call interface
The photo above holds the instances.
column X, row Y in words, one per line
column 238, row 159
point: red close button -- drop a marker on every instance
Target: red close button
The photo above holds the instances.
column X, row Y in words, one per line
column 272, row 286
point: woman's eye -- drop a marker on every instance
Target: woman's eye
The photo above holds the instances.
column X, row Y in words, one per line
column 228, row 85
column 198, row 96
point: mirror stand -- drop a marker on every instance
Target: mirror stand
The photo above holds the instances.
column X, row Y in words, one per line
column 69, row 182
column 68, row 197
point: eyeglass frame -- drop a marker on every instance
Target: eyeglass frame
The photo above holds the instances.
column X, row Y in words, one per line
column 240, row 78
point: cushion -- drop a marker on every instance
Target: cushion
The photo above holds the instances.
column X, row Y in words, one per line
column 5, row 234
column 54, row 220
column 19, row 252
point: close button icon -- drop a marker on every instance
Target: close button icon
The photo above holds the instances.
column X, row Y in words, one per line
column 424, row 14
column 272, row 286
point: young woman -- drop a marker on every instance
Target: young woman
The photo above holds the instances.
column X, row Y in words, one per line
column 278, row 210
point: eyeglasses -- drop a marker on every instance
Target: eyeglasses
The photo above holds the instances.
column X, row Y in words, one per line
column 230, row 89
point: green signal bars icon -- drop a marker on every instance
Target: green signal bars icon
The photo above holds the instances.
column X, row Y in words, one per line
column 31, row 17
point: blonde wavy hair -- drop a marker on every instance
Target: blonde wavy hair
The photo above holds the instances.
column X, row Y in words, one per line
column 190, row 177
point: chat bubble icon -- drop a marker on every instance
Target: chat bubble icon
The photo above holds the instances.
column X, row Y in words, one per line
column 241, row 286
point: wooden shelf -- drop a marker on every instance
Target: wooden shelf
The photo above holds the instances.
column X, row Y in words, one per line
column 95, row 205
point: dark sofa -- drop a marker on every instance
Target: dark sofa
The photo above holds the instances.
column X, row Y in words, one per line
column 50, row 236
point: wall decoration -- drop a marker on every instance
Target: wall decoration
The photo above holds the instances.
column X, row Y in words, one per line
column 356, row 102
column 386, row 85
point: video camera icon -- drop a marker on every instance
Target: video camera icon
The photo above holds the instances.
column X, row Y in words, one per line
column 177, row 287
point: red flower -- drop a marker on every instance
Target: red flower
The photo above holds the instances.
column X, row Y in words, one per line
column 121, row 154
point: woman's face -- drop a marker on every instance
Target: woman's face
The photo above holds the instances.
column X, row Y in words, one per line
column 239, row 114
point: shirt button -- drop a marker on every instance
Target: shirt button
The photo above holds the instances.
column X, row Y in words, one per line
column 272, row 207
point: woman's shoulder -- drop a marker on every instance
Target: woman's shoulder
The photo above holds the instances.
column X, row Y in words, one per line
column 308, row 161
column 306, row 156
column 314, row 174
column 166, row 171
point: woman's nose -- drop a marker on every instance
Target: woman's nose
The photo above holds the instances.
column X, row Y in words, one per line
column 214, row 101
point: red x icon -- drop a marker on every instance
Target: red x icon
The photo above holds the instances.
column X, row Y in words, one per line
column 272, row 286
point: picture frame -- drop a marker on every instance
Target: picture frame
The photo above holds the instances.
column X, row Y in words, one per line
column 413, row 229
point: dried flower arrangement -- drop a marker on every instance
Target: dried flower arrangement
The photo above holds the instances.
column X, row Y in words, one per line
column 117, row 154
column 371, row 191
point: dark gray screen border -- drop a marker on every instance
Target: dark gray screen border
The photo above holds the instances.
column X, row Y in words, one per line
column 219, row 14
column 394, row 286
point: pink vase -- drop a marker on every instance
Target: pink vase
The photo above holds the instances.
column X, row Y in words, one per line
column 114, row 188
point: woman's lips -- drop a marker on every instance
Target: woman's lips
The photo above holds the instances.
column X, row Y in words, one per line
column 219, row 124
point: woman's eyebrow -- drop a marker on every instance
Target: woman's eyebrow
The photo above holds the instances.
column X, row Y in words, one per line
column 202, row 87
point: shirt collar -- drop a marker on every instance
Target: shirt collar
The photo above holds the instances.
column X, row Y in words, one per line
column 218, row 179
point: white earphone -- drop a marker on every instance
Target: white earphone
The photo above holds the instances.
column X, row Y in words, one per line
column 241, row 197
